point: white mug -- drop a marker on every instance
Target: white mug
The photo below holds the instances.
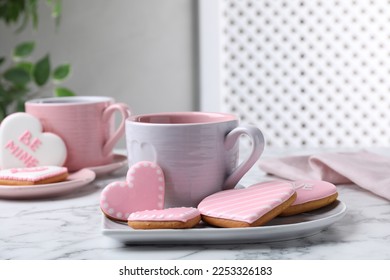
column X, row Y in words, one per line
column 197, row 151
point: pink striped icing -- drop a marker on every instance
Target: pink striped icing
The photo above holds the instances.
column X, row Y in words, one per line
column 32, row 174
column 246, row 205
column 182, row 214
column 310, row 190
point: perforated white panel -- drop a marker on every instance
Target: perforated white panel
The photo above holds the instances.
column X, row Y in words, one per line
column 310, row 72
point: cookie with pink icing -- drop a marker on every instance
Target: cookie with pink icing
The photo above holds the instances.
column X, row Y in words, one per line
column 311, row 195
column 250, row 207
column 24, row 144
column 144, row 189
column 33, row 175
column 171, row 218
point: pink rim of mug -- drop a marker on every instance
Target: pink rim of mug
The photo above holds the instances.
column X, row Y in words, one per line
column 182, row 118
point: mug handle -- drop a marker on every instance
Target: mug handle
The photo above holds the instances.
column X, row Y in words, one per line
column 107, row 113
column 231, row 139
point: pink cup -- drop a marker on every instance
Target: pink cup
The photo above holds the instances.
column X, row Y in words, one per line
column 85, row 123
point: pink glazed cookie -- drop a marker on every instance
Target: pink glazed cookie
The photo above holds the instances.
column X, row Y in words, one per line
column 311, row 195
column 171, row 218
column 250, row 207
column 144, row 189
column 33, row 175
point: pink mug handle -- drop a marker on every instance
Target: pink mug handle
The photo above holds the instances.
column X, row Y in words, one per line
column 258, row 143
column 108, row 112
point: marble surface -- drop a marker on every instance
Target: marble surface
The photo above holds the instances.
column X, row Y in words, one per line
column 69, row 227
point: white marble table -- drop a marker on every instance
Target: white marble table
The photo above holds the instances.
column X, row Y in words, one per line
column 69, row 227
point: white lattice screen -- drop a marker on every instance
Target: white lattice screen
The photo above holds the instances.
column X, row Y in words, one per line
column 309, row 73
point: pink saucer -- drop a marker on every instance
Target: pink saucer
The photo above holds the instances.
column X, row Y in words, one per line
column 118, row 162
column 74, row 182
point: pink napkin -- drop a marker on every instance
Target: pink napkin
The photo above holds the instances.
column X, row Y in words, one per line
column 367, row 170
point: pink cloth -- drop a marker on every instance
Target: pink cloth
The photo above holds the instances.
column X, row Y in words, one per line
column 367, row 170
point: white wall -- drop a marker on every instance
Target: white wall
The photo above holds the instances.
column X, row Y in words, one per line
column 141, row 52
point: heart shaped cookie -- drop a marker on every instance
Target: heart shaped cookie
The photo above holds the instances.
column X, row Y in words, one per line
column 311, row 195
column 253, row 206
column 33, row 175
column 178, row 217
column 23, row 144
column 144, row 189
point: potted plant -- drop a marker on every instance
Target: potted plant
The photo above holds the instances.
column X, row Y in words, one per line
column 21, row 78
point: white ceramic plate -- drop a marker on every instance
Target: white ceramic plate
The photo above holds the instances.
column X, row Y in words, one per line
column 118, row 162
column 280, row 228
column 74, row 181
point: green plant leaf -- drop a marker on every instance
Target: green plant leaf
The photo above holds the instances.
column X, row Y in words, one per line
column 10, row 10
column 20, row 106
column 41, row 71
column 2, row 92
column 2, row 112
column 62, row 91
column 23, row 50
column 4, row 98
column 2, row 59
column 56, row 9
column 18, row 76
column 33, row 10
column 61, row 72
column 17, row 93
column 26, row 65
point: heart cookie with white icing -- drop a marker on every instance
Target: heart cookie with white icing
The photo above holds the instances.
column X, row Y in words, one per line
column 144, row 189
column 24, row 144
column 250, row 207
